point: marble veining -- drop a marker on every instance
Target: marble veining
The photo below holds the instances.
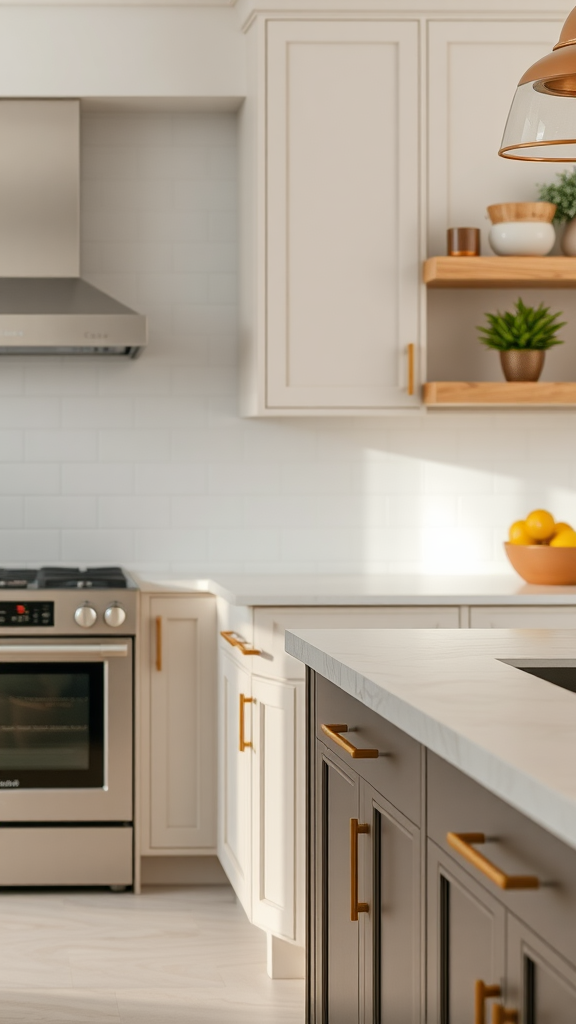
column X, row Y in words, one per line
column 453, row 691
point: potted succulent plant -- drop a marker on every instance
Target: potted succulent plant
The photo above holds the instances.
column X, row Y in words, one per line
column 562, row 192
column 522, row 338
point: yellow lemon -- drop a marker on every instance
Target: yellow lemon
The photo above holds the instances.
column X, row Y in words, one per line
column 540, row 524
column 560, row 527
column 565, row 539
column 518, row 534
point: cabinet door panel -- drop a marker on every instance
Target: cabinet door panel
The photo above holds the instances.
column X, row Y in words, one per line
column 342, row 212
column 392, row 930
column 468, row 108
column 338, row 970
column 540, row 982
column 183, row 726
column 273, row 807
column 466, row 928
column 523, row 618
column 234, row 826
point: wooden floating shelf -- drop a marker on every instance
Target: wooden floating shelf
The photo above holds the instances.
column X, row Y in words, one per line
column 500, row 272
column 443, row 394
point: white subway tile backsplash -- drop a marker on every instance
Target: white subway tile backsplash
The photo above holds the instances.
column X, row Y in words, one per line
column 60, row 513
column 134, row 445
column 133, row 512
column 147, row 462
column 98, row 478
column 97, row 546
column 19, row 547
column 26, row 478
column 60, row 445
column 12, row 513
column 171, row 478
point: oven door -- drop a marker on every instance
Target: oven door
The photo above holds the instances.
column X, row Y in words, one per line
column 65, row 730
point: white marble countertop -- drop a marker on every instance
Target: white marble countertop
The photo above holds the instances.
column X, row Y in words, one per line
column 277, row 591
column 450, row 690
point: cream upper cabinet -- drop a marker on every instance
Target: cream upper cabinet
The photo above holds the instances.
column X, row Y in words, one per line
column 178, row 714
column 474, row 67
column 330, row 183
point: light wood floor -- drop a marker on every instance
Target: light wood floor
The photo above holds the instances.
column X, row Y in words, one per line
column 169, row 956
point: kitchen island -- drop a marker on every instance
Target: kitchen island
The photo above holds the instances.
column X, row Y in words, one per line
column 442, row 860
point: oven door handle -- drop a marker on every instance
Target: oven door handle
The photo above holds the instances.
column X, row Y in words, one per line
column 103, row 651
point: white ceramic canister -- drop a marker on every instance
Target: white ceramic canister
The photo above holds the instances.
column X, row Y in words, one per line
column 522, row 238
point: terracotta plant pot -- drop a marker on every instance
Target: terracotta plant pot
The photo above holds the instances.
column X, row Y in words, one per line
column 521, row 364
column 568, row 242
column 540, row 564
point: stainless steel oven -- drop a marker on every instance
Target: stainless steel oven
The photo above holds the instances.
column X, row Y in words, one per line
column 66, row 738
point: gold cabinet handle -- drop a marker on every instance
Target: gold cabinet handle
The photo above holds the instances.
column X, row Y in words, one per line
column 462, row 843
column 159, row 643
column 355, row 907
column 411, row 369
column 483, row 992
column 244, row 743
column 333, row 731
column 501, row 1015
column 235, row 640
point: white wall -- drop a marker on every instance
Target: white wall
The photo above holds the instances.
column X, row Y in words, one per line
column 147, row 463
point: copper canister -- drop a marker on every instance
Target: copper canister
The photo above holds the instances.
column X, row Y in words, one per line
column 463, row 241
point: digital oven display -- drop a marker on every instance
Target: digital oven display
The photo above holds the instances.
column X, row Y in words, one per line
column 26, row 613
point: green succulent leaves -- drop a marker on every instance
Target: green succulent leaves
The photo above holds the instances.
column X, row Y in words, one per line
column 563, row 193
column 527, row 328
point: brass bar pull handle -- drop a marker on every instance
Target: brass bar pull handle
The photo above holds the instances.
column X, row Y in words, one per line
column 235, row 640
column 355, row 907
column 334, row 731
column 244, row 743
column 462, row 843
column 159, row 643
column 501, row 1015
column 410, row 369
column 483, row 992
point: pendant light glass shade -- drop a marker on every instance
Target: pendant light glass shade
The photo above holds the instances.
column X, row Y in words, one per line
column 541, row 124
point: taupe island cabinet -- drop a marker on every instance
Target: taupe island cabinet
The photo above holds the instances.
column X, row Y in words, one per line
column 441, row 848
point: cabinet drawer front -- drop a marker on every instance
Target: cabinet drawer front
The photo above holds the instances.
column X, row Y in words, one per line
column 397, row 776
column 516, row 845
column 523, row 618
column 270, row 625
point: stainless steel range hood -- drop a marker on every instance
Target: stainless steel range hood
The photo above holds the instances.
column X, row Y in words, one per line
column 45, row 306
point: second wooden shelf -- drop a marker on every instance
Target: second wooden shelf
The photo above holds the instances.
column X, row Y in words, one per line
column 462, row 393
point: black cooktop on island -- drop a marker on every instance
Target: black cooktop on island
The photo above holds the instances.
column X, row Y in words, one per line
column 64, row 578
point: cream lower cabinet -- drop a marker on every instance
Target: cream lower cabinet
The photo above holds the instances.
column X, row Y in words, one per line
column 329, row 174
column 262, row 812
column 178, row 725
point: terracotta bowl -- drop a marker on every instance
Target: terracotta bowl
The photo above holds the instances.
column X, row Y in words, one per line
column 538, row 563
column 506, row 213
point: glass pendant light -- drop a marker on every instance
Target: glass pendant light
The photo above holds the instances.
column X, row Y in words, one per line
column 541, row 124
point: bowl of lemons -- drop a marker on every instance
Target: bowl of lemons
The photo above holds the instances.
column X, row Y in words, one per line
column 543, row 551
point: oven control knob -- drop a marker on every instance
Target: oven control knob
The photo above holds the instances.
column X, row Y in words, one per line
column 114, row 615
column 85, row 615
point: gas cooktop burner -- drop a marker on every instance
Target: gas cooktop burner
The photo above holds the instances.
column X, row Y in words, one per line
column 64, row 578
column 17, row 579
column 76, row 579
